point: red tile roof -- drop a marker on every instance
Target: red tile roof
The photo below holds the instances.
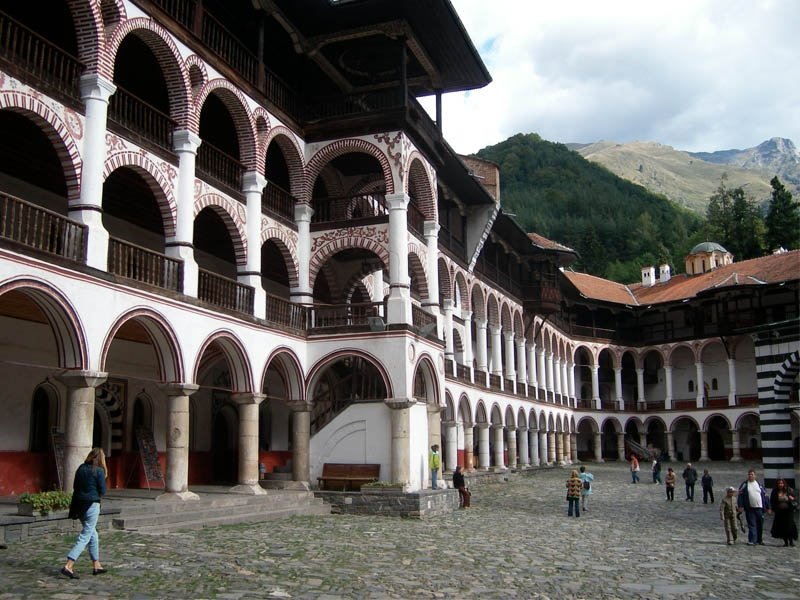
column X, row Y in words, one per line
column 548, row 244
column 775, row 268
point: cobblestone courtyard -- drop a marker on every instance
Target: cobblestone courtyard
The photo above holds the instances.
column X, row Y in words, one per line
column 515, row 542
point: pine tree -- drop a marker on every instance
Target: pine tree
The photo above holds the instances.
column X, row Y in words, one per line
column 783, row 219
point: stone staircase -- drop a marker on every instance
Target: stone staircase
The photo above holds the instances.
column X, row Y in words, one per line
column 139, row 511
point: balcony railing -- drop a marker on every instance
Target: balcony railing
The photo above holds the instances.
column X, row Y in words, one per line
column 285, row 313
column 350, row 208
column 224, row 292
column 221, row 166
column 420, row 318
column 344, row 315
column 494, row 381
column 337, row 107
column 223, row 43
column 462, row 372
column 41, row 229
column 46, row 62
column 416, row 220
column 140, row 264
column 139, row 117
column 277, row 202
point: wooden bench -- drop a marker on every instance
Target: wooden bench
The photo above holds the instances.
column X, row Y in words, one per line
column 345, row 476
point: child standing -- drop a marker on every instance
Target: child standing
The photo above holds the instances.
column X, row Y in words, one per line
column 669, row 480
column 708, row 487
column 727, row 512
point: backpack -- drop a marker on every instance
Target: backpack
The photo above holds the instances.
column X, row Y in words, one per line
column 587, row 485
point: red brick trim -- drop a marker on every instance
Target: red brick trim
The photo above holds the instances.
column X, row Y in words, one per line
column 236, row 103
column 229, row 211
column 338, row 148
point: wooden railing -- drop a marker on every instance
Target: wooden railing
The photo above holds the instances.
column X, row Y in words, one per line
column 140, row 264
column 225, row 45
column 138, row 116
column 415, row 219
column 48, row 63
column 462, row 372
column 420, row 318
column 224, row 292
column 278, row 202
column 41, row 229
column 221, row 166
column 344, row 315
column 494, row 381
column 350, row 208
column 335, row 107
column 285, row 313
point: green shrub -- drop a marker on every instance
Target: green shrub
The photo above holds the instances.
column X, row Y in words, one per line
column 46, row 502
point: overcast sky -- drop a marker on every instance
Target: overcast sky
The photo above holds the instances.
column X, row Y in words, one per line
column 698, row 75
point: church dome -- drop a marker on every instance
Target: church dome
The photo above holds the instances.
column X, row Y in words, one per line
column 707, row 247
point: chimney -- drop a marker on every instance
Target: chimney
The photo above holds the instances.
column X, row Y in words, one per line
column 664, row 273
column 648, row 276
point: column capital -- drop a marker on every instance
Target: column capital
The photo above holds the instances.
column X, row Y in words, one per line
column 522, row 429
column 482, row 425
column 431, row 228
column 299, row 405
column 96, row 87
column 184, row 140
column 397, row 201
column 435, row 408
column 82, row 379
column 303, row 212
column 253, row 182
column 179, row 389
column 400, row 403
column 495, row 427
column 245, row 398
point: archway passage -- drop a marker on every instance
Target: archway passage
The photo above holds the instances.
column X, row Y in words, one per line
column 346, row 380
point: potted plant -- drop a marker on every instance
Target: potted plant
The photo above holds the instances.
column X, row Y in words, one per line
column 43, row 503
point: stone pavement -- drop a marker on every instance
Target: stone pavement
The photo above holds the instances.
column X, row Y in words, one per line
column 515, row 542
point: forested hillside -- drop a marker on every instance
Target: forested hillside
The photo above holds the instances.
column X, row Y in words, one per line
column 616, row 226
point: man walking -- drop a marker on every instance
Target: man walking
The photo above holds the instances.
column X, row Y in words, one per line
column 461, row 485
column 753, row 501
column 690, row 478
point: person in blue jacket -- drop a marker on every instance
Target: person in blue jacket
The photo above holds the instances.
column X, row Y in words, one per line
column 88, row 488
column 753, row 501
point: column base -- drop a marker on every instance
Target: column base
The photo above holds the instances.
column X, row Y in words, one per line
column 599, row 460
column 250, row 489
column 736, row 459
column 186, row 496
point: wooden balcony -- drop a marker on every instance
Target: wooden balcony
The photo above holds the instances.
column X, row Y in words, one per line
column 420, row 318
column 278, row 203
column 287, row 314
column 27, row 54
column 462, row 372
column 416, row 220
column 40, row 229
column 344, row 315
column 349, row 209
column 221, row 168
column 137, row 116
column 225, row 293
column 143, row 265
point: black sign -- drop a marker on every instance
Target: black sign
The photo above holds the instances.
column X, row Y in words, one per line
column 149, row 454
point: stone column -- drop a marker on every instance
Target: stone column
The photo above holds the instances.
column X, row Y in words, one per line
column 522, row 364
column 176, row 481
column 671, row 446
column 524, row 452
column 736, row 455
column 559, row 444
column 532, row 377
column 620, row 445
column 668, row 383
column 483, row 446
column 551, row 390
column 618, row 388
column 398, row 305
column 95, row 93
column 301, row 441
column 509, row 372
column 499, row 461
column 552, row 454
column 468, row 446
column 533, row 443
column 431, row 303
column 700, row 385
column 480, row 345
column 467, row 316
column 731, row 382
column 512, row 447
column 252, row 185
column 571, row 380
column 247, row 403
column 598, row 446
column 401, row 441
column 703, row 446
column 450, row 445
column 567, row 448
column 302, row 294
column 497, row 359
column 573, row 447
column 79, row 415
column 449, row 353
column 434, row 425
column 598, row 403
column 557, row 380
column 642, row 401
column 544, row 448
column 185, row 145
column 541, row 374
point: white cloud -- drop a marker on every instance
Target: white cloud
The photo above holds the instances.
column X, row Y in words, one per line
column 694, row 74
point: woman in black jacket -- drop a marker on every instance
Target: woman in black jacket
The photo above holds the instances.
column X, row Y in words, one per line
column 89, row 487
